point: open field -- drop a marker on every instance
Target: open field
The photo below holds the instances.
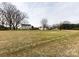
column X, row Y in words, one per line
column 39, row 43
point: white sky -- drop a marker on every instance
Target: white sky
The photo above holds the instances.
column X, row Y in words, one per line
column 55, row 12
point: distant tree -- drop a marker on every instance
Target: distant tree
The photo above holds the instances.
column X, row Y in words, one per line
column 65, row 25
column 44, row 23
column 66, row 22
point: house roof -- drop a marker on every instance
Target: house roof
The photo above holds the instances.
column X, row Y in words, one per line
column 25, row 24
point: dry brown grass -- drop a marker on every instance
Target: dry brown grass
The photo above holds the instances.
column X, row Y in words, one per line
column 39, row 43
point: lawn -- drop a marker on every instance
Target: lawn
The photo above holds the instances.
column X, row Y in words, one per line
column 39, row 43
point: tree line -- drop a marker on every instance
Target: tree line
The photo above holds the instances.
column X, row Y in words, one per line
column 66, row 25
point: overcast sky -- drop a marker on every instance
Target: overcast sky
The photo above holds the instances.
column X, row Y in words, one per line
column 55, row 12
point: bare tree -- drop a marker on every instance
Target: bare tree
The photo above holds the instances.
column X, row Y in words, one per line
column 12, row 15
column 44, row 23
column 18, row 17
column 7, row 11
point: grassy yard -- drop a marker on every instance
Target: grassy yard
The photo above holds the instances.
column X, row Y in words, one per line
column 39, row 43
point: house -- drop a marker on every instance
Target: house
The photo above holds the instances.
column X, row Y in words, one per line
column 45, row 28
column 26, row 26
column 42, row 28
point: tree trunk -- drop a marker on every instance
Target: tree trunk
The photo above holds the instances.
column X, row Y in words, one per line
column 10, row 24
column 16, row 27
column 13, row 27
column 2, row 23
